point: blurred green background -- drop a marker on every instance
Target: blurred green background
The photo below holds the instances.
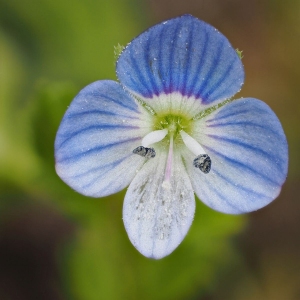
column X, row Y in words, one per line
column 56, row 244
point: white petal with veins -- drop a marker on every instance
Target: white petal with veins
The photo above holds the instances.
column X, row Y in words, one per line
column 158, row 218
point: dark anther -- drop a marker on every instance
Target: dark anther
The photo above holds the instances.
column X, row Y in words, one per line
column 203, row 162
column 145, row 152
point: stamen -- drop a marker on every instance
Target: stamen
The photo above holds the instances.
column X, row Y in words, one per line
column 191, row 143
column 154, row 137
column 168, row 171
column 145, row 152
column 202, row 161
column 150, row 138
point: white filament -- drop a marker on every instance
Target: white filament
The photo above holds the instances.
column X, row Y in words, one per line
column 192, row 144
column 154, row 137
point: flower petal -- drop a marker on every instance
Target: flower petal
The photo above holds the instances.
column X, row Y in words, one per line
column 182, row 55
column 249, row 155
column 157, row 218
column 94, row 143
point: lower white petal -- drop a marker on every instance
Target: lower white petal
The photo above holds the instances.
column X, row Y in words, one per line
column 158, row 216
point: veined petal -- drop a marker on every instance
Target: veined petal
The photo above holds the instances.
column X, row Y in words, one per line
column 157, row 217
column 94, row 143
column 249, row 156
column 183, row 55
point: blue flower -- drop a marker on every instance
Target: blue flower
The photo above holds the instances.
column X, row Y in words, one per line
column 166, row 131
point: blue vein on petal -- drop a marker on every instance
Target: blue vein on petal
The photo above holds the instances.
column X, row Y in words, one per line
column 161, row 70
column 172, row 61
column 98, row 112
column 239, row 186
column 97, row 94
column 243, row 123
column 241, row 165
column 231, row 81
column 190, row 44
column 95, row 150
column 248, row 146
column 212, row 70
column 149, row 69
column 219, row 82
column 97, row 128
column 202, row 58
column 113, row 165
column 142, row 80
column 221, row 196
column 93, row 170
column 219, row 116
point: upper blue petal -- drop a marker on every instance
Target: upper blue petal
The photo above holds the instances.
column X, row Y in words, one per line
column 182, row 55
column 249, row 155
column 94, row 143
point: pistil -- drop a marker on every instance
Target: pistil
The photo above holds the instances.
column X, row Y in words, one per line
column 168, row 171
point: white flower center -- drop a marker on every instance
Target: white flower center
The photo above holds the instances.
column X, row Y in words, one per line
column 173, row 117
column 202, row 160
